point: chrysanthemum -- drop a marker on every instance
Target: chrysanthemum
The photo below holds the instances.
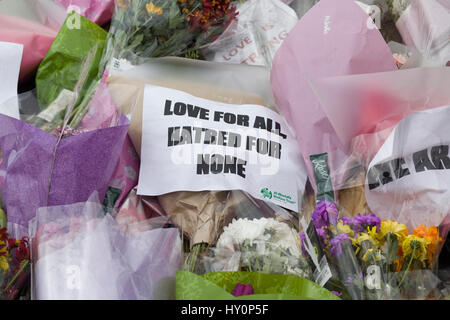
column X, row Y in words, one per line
column 431, row 234
column 390, row 227
column 415, row 247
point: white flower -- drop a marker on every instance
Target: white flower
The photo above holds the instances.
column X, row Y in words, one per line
column 259, row 231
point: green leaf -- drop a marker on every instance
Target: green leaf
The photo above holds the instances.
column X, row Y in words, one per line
column 219, row 285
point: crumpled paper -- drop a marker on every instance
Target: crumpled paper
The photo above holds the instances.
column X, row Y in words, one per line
column 200, row 215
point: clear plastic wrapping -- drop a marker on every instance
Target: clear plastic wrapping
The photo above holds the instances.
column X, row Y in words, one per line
column 388, row 196
column 79, row 253
column 141, row 29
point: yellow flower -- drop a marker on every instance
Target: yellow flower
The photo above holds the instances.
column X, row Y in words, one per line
column 372, row 254
column 376, row 236
column 361, row 237
column 4, row 258
column 417, row 244
column 364, row 237
column 151, row 8
column 121, row 4
column 393, row 227
column 344, row 228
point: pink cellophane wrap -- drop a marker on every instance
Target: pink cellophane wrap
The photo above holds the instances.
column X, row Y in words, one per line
column 102, row 113
column 36, row 39
column 98, row 11
column 363, row 109
column 329, row 40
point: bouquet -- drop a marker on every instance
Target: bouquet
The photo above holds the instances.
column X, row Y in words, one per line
column 257, row 255
column 141, row 29
column 372, row 258
column 14, row 263
column 395, row 263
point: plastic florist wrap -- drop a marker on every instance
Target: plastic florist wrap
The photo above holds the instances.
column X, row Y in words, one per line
column 255, row 36
column 62, row 166
column 195, row 128
column 425, row 25
column 98, row 11
column 254, row 253
column 397, row 145
column 21, row 22
column 143, row 29
column 81, row 253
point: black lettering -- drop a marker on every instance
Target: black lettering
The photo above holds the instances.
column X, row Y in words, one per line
column 229, row 118
column 260, row 123
column 422, row 162
column 275, row 149
column 216, row 163
column 167, row 111
column 439, row 156
column 202, row 165
column 230, row 164
column 379, row 174
column 193, row 111
column 241, row 167
column 210, row 136
column 170, row 137
column 186, row 136
column 179, row 109
column 242, row 120
column 234, row 140
column 278, row 130
column 262, row 146
column 397, row 167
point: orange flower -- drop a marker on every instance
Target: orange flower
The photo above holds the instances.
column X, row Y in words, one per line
column 121, row 4
column 151, row 8
column 432, row 235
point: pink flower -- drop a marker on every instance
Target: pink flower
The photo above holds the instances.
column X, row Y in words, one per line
column 242, row 290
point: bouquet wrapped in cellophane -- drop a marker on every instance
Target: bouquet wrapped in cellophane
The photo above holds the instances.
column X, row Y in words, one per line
column 253, row 252
column 143, row 29
column 82, row 253
column 388, row 201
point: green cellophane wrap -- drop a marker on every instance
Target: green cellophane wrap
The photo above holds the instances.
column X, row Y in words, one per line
column 219, row 285
column 79, row 45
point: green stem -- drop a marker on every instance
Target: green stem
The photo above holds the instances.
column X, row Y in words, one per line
column 23, row 266
column 407, row 268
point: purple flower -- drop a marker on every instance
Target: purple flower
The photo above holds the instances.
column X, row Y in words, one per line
column 361, row 222
column 242, row 290
column 349, row 280
column 336, row 244
column 347, row 220
column 323, row 235
column 303, row 240
column 339, row 294
column 325, row 214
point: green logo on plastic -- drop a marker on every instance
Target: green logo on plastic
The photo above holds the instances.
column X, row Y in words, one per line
column 266, row 193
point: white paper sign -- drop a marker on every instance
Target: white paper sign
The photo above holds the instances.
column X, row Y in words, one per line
column 194, row 144
column 10, row 59
column 409, row 178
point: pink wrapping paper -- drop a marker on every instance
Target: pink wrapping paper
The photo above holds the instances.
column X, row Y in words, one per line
column 363, row 109
column 98, row 11
column 103, row 113
column 329, row 40
column 36, row 39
